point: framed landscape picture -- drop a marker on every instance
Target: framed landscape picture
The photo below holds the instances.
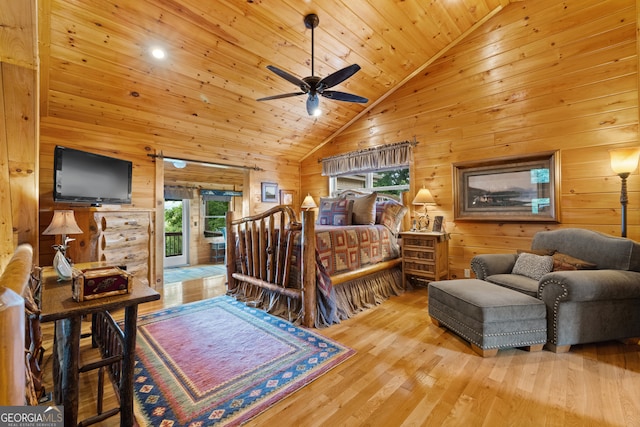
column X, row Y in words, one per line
column 269, row 192
column 523, row 188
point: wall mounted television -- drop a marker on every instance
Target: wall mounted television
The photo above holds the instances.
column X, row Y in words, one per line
column 82, row 177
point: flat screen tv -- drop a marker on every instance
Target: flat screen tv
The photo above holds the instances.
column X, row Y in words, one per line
column 82, row 177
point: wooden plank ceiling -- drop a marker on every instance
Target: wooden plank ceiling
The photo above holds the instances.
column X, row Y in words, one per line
column 97, row 68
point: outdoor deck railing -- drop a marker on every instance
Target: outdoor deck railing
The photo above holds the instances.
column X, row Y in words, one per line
column 173, row 243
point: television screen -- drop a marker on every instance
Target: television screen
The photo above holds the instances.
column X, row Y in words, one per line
column 82, row 177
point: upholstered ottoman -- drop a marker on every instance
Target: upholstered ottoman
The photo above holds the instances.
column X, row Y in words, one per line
column 488, row 316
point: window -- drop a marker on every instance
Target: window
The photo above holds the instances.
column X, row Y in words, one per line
column 393, row 181
column 214, row 217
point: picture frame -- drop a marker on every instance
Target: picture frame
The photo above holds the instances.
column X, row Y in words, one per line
column 287, row 197
column 438, row 224
column 517, row 189
column 269, row 192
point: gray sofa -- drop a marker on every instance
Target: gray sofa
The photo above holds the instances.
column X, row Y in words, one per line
column 583, row 306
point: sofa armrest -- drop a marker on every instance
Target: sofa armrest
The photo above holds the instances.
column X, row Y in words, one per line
column 588, row 285
column 489, row 264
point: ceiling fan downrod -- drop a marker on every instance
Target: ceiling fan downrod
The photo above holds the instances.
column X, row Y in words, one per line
column 311, row 21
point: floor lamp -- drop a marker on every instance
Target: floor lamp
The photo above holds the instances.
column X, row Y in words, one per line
column 623, row 162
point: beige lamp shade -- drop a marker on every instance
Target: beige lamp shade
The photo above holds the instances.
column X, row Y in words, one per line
column 63, row 222
column 308, row 203
column 423, row 197
column 624, row 160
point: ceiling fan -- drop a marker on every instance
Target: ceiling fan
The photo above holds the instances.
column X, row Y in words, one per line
column 314, row 85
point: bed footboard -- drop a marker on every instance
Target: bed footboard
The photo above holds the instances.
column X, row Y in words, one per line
column 259, row 249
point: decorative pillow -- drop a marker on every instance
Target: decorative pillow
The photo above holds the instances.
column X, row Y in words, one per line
column 364, row 209
column 390, row 214
column 335, row 211
column 563, row 262
column 549, row 252
column 533, row 266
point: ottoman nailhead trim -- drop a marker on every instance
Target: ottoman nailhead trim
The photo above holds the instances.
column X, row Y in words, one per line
column 556, row 304
column 454, row 324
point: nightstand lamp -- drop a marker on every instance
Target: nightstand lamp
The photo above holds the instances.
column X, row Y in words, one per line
column 63, row 223
column 423, row 198
column 308, row 203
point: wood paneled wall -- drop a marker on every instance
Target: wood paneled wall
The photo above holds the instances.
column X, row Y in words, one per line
column 147, row 182
column 540, row 75
column 18, row 126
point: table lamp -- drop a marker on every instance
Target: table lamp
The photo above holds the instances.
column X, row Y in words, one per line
column 423, row 198
column 308, row 203
column 63, row 223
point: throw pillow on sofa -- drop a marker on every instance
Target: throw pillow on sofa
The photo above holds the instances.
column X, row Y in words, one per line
column 533, row 266
column 567, row 262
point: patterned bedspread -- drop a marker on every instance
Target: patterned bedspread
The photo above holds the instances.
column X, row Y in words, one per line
column 347, row 248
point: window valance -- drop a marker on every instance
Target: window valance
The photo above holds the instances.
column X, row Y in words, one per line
column 371, row 159
column 219, row 195
column 172, row 192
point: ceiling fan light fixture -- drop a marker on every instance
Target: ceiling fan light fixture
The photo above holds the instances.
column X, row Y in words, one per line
column 313, row 105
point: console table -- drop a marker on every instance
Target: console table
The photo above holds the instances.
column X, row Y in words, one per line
column 58, row 306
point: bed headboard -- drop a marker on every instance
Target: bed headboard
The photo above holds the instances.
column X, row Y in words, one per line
column 380, row 196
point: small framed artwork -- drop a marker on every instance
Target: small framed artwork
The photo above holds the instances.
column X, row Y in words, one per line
column 287, row 197
column 438, row 224
column 270, row 192
column 522, row 188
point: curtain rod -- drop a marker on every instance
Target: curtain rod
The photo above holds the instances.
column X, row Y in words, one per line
column 203, row 163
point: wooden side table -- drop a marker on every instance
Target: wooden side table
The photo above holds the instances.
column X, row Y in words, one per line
column 58, row 306
column 425, row 257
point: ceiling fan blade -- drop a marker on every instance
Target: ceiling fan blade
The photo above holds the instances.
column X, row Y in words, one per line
column 339, row 76
column 290, row 78
column 342, row 96
column 284, row 95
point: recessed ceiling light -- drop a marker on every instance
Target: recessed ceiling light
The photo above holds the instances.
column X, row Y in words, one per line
column 158, row 53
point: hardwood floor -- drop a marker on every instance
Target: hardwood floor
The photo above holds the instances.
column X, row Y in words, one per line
column 407, row 371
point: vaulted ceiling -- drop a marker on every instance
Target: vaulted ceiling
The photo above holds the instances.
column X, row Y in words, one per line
column 96, row 65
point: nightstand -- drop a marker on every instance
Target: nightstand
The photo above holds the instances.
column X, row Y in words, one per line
column 425, row 257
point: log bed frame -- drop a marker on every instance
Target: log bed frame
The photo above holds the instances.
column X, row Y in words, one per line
column 264, row 255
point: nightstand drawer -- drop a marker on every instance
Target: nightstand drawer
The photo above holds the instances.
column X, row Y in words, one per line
column 420, row 242
column 409, row 254
column 419, row 268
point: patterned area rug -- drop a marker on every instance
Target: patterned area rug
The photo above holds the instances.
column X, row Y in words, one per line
column 219, row 362
column 179, row 274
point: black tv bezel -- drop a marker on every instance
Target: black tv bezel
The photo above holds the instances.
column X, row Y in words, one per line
column 94, row 201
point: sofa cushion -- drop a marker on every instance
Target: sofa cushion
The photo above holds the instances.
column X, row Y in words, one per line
column 516, row 282
column 533, row 266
